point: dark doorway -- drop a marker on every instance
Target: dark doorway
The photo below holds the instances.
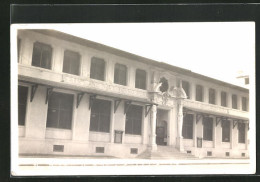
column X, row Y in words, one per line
column 161, row 133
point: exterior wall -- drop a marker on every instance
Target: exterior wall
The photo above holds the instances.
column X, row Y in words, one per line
column 35, row 138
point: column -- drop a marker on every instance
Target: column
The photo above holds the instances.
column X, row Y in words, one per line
column 246, row 136
column 192, row 91
column 112, row 123
column 131, row 81
column 110, row 71
column 27, row 51
column 172, row 130
column 231, row 135
column 180, row 123
column 229, row 100
column 58, row 56
column 218, row 97
column 153, row 144
column 239, row 102
column 194, row 131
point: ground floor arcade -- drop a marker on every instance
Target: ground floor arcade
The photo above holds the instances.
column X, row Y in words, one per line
column 68, row 122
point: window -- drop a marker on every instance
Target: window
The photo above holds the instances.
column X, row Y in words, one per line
column 186, row 88
column 58, row 148
column 71, row 62
column 224, row 99
column 212, row 96
column 140, row 79
column 165, row 86
column 207, row 128
column 100, row 116
column 199, row 93
column 244, row 103
column 234, row 101
column 241, row 132
column 187, row 129
column 42, row 55
column 120, row 74
column 97, row 70
column 225, row 131
column 22, row 102
column 60, row 111
column 18, row 48
column 246, row 81
column 133, row 123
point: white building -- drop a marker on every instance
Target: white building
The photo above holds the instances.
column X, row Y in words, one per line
column 78, row 97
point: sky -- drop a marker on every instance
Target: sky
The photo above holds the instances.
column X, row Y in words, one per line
column 218, row 50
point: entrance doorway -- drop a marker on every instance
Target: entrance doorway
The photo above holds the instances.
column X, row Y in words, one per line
column 161, row 127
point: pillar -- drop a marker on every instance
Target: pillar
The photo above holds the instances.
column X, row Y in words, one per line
column 153, row 144
column 239, row 102
column 179, row 143
column 206, row 94
column 229, row 100
column 218, row 97
column 192, row 91
column 112, row 123
column 194, row 131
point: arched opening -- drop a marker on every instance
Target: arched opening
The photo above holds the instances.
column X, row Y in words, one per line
column 165, row 86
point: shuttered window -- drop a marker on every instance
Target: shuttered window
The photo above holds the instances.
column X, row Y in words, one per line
column 140, row 79
column 97, row 68
column 244, row 103
column 120, row 74
column 71, row 62
column 207, row 128
column 133, row 123
column 225, row 131
column 199, row 93
column 241, row 133
column 42, row 55
column 187, row 129
column 234, row 101
column 60, row 110
column 22, row 103
column 100, row 116
column 224, row 99
column 186, row 88
column 212, row 96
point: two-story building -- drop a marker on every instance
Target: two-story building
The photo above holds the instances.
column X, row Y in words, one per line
column 78, row 97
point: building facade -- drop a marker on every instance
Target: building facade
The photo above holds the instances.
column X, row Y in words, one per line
column 78, row 97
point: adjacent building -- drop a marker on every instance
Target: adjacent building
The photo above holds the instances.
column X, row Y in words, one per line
column 78, row 97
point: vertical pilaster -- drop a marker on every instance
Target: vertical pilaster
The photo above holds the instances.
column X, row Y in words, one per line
column 192, row 91
column 27, row 51
column 131, row 74
column 218, row 97
column 206, row 94
column 239, row 102
column 145, row 127
column 180, row 123
column 153, row 144
column 85, row 64
column 214, row 132
column 229, row 100
column 234, row 136
column 231, row 135
column 110, row 71
column 112, row 123
column 194, row 131
column 57, row 58
column 246, row 137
